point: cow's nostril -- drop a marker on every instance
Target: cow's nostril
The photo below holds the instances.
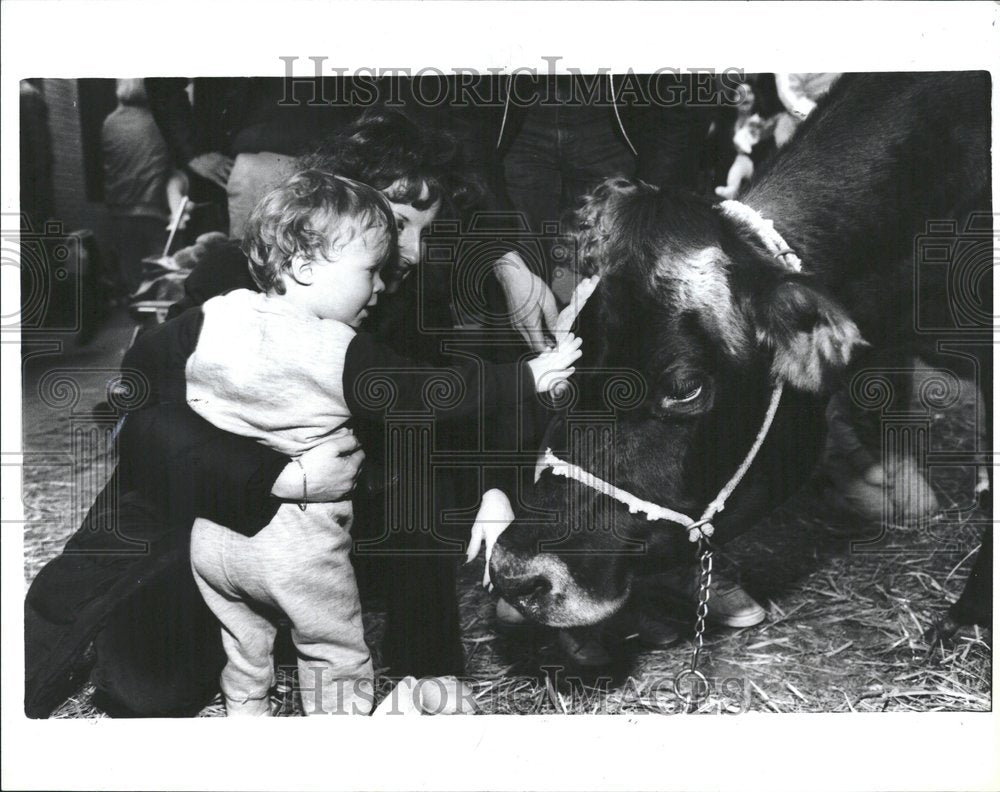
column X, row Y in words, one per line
column 542, row 585
column 527, row 585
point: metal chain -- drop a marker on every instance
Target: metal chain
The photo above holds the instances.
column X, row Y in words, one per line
column 701, row 614
column 704, row 592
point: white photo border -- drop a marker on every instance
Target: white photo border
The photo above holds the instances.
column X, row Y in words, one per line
column 755, row 751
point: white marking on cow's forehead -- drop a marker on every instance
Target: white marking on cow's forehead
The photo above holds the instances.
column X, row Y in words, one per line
column 702, row 285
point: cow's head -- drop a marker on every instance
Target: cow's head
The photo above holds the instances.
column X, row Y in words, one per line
column 691, row 324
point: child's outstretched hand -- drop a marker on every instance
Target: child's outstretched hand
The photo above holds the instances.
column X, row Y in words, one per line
column 578, row 299
column 554, row 366
column 495, row 514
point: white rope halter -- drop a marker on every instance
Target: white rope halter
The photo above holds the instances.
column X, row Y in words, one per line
column 764, row 231
column 701, row 528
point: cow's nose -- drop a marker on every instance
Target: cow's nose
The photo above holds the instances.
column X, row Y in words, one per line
column 517, row 579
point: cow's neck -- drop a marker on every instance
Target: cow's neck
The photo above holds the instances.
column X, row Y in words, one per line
column 865, row 174
column 785, row 464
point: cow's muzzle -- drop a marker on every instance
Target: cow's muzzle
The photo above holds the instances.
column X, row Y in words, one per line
column 542, row 588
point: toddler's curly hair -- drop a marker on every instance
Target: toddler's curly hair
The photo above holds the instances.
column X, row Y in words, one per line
column 314, row 213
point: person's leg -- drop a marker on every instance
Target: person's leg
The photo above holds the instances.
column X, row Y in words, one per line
column 138, row 238
column 248, row 632
column 159, row 653
column 740, row 172
column 672, row 143
column 592, row 150
column 111, row 258
column 309, row 577
column 423, row 632
column 784, row 129
column 532, row 174
column 975, row 606
column 416, row 577
column 157, row 646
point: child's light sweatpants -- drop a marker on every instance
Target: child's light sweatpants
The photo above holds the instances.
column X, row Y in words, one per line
column 297, row 565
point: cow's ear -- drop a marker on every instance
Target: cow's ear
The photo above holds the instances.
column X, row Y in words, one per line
column 811, row 337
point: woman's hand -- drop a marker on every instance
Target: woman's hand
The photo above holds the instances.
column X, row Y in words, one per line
column 530, row 302
column 330, row 468
column 553, row 367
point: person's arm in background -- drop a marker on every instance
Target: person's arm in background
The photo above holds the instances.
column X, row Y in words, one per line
column 792, row 96
column 190, row 146
column 177, row 192
column 531, row 306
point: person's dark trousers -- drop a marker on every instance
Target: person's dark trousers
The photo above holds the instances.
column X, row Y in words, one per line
column 557, row 156
column 160, row 654
column 423, row 632
column 130, row 240
column 416, row 572
column 416, row 575
column 672, row 144
column 124, row 584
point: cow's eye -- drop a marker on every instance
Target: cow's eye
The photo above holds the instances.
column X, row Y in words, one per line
column 683, row 393
column 684, row 398
column 688, row 394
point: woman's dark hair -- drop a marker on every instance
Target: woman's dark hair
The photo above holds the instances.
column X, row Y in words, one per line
column 383, row 147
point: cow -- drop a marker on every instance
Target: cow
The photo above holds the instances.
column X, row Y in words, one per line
column 712, row 319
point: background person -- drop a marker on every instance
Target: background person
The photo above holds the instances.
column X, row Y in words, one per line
column 141, row 189
column 562, row 135
column 799, row 92
column 238, row 137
